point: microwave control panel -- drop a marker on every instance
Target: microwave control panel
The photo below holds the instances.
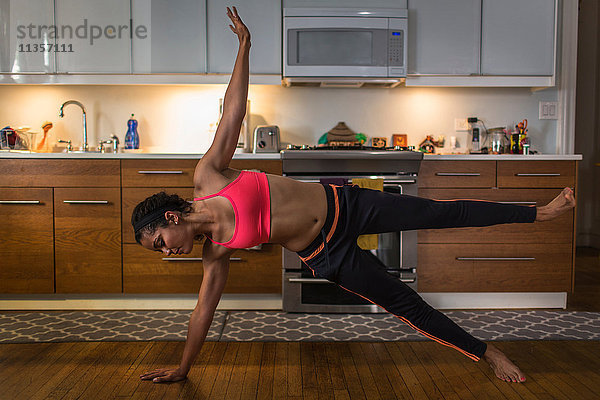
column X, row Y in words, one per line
column 396, row 48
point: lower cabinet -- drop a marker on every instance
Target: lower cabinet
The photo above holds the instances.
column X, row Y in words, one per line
column 27, row 262
column 494, row 267
column 87, row 240
column 250, row 271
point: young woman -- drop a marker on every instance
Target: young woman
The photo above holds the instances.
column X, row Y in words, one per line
column 240, row 209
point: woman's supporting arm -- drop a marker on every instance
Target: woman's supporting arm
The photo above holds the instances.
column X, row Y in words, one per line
column 226, row 138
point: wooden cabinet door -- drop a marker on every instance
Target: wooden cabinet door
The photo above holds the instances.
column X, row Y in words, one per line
column 27, row 245
column 457, row 174
column 250, row 271
column 494, row 268
column 88, row 240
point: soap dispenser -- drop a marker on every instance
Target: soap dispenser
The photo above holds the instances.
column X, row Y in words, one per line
column 132, row 139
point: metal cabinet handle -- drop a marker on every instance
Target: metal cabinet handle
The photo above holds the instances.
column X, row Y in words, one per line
column 195, row 259
column 551, row 174
column 160, row 172
column 495, row 258
column 308, row 280
column 85, row 201
column 458, row 174
column 19, row 202
column 533, row 203
column 393, row 182
column 408, row 280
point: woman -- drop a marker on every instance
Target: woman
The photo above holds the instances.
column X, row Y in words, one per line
column 240, row 209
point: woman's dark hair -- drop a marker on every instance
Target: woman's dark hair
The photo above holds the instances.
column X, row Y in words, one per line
column 155, row 202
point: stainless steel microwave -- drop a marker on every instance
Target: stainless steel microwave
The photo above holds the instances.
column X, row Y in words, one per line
column 344, row 42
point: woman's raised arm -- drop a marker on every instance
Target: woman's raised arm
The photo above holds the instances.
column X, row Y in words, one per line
column 221, row 151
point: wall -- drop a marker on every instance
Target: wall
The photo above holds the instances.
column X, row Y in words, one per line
column 587, row 124
column 181, row 118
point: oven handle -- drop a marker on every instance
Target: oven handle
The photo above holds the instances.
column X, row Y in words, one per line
column 319, row 280
column 386, row 182
column 308, row 280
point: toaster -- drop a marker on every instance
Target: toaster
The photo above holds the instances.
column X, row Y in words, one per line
column 266, row 139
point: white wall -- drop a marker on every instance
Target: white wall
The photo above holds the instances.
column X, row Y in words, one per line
column 179, row 118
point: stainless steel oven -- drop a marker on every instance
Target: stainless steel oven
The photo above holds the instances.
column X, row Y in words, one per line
column 302, row 292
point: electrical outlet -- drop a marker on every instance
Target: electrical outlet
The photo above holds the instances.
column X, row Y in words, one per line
column 548, row 110
column 460, row 124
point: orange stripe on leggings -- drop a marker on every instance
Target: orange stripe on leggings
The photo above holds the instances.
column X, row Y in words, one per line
column 440, row 341
column 331, row 231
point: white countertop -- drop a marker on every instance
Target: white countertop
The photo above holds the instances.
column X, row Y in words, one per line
column 132, row 155
column 531, row 157
column 277, row 156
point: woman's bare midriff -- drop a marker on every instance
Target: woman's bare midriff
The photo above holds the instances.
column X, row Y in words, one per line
column 298, row 212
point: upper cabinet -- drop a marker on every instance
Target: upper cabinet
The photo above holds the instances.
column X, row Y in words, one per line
column 93, row 36
column 482, row 43
column 263, row 19
column 517, row 37
column 444, row 37
column 175, row 41
column 26, row 42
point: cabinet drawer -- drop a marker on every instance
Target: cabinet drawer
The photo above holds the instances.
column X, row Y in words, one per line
column 559, row 230
column 462, row 174
column 250, row 271
column 157, row 173
column 536, row 174
column 27, row 245
column 60, row 173
column 87, row 240
column 133, row 196
column 494, row 268
column 178, row 173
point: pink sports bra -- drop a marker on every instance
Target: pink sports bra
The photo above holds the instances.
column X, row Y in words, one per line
column 250, row 198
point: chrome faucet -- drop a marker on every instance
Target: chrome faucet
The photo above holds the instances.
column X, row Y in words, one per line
column 84, row 145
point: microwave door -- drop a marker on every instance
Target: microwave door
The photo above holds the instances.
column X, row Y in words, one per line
column 344, row 47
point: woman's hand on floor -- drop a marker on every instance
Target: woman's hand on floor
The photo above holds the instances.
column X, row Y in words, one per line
column 164, row 375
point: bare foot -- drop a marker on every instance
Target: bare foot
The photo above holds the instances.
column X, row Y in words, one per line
column 502, row 366
column 561, row 203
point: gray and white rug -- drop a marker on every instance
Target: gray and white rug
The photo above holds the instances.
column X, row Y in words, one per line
column 78, row 326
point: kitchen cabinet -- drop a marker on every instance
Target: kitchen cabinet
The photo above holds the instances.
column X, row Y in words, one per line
column 482, row 43
column 444, row 37
column 87, row 240
column 251, row 271
column 96, row 35
column 263, row 19
column 535, row 257
column 517, row 37
column 345, row 3
column 24, row 31
column 27, row 262
column 176, row 39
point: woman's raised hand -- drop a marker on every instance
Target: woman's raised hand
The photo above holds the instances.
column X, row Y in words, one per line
column 238, row 26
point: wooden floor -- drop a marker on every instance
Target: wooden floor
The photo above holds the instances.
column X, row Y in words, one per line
column 305, row 370
column 296, row 370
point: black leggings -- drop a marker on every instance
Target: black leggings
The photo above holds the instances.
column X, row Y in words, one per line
column 352, row 211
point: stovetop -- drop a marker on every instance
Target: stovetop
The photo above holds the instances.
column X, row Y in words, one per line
column 354, row 147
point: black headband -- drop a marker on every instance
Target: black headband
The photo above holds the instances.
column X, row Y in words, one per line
column 153, row 216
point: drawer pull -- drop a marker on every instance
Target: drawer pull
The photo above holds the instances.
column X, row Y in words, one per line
column 458, row 174
column 160, row 172
column 552, row 174
column 531, row 203
column 195, row 259
column 85, row 201
column 495, row 258
column 308, row 280
column 19, row 202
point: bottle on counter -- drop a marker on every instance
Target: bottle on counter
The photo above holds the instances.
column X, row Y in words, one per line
column 132, row 139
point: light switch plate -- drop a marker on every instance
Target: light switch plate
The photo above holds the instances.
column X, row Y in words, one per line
column 548, row 110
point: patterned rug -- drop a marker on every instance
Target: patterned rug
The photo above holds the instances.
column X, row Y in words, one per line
column 84, row 326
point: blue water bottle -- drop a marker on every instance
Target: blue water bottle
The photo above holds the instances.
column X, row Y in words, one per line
column 132, row 139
